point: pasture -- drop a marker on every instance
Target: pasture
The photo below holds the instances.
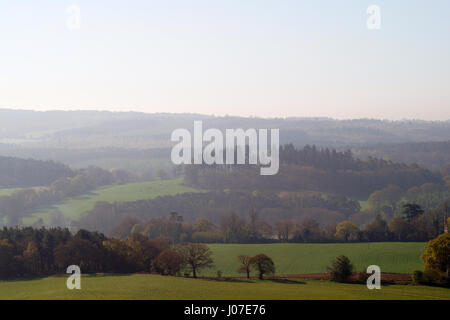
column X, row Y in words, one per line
column 155, row 287
column 303, row 258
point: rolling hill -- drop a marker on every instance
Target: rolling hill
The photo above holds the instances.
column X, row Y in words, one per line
column 73, row 208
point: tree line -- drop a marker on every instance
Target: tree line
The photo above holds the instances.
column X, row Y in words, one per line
column 26, row 252
column 429, row 154
column 314, row 169
column 412, row 225
column 214, row 205
column 16, row 172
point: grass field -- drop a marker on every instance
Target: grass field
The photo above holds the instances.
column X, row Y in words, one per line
column 7, row 191
column 293, row 258
column 288, row 258
column 72, row 208
column 140, row 286
column 364, row 205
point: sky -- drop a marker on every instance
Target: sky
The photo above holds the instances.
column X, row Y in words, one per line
column 279, row 58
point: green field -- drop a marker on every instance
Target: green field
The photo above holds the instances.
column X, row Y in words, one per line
column 159, row 287
column 364, row 205
column 288, row 258
column 72, row 208
column 7, row 191
column 303, row 258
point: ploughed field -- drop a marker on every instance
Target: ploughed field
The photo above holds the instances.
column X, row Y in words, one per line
column 146, row 286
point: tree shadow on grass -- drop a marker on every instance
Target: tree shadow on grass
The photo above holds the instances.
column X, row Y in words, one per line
column 22, row 279
column 228, row 280
column 65, row 275
column 286, row 281
column 99, row 275
column 383, row 283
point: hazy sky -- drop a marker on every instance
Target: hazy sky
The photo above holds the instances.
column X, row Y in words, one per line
column 239, row 57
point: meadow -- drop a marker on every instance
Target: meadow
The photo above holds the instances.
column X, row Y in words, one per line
column 7, row 191
column 288, row 258
column 304, row 258
column 72, row 208
column 364, row 205
column 155, row 287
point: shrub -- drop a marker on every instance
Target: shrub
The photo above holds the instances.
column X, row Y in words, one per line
column 437, row 254
column 362, row 277
column 431, row 276
column 436, row 260
column 417, row 277
column 446, row 282
column 340, row 269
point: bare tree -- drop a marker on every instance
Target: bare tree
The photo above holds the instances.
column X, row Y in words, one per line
column 284, row 229
column 245, row 264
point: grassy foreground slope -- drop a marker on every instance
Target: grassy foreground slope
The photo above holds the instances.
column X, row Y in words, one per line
column 73, row 207
column 302, row 258
column 142, row 286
